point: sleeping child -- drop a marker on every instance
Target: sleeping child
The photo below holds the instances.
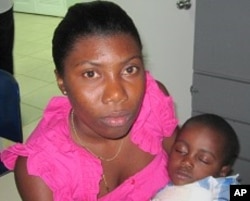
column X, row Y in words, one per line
column 201, row 161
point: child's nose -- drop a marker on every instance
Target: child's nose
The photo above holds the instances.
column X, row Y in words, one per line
column 187, row 162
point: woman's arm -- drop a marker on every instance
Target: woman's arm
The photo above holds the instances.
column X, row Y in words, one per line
column 168, row 141
column 162, row 88
column 30, row 188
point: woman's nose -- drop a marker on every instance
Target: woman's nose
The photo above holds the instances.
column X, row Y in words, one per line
column 114, row 92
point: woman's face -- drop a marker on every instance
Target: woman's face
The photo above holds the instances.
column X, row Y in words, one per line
column 196, row 154
column 105, row 81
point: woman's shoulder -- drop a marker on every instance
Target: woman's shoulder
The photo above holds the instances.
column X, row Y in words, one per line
column 49, row 136
column 54, row 124
column 156, row 119
column 54, row 119
column 57, row 106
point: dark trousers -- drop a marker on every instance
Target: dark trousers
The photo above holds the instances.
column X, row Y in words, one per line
column 7, row 41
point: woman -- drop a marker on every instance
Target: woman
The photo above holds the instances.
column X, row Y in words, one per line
column 103, row 141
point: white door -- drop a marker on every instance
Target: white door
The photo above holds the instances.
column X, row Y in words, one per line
column 168, row 36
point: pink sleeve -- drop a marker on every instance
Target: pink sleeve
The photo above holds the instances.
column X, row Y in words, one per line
column 9, row 156
column 156, row 120
column 53, row 156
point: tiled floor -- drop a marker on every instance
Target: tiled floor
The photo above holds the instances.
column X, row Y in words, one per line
column 34, row 73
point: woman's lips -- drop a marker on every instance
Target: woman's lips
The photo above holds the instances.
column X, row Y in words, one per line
column 116, row 119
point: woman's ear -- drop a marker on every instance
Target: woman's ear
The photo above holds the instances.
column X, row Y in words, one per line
column 60, row 82
column 225, row 170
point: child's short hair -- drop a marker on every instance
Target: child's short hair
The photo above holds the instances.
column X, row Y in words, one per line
column 223, row 128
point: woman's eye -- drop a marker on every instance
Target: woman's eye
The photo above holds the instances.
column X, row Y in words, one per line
column 130, row 70
column 90, row 74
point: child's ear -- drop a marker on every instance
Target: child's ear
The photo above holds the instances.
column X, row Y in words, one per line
column 225, row 170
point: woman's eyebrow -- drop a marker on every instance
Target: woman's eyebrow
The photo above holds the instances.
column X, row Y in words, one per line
column 98, row 64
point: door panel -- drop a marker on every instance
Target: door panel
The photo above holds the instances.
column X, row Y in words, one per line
column 222, row 44
column 222, row 96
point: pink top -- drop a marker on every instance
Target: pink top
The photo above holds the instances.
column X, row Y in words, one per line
column 72, row 173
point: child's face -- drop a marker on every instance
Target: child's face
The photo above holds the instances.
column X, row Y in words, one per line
column 105, row 81
column 196, row 154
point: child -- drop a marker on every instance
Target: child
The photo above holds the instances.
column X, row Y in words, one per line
column 201, row 160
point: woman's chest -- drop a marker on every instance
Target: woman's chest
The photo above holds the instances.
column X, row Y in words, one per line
column 130, row 162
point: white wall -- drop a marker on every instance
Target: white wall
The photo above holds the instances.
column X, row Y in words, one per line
column 168, row 36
